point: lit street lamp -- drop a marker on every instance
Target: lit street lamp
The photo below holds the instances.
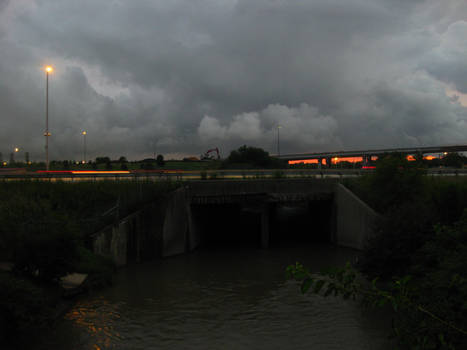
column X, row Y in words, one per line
column 84, row 146
column 12, row 155
column 48, row 70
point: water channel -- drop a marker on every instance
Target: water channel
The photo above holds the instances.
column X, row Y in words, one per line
column 223, row 297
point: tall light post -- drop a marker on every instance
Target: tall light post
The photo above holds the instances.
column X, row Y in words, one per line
column 84, row 146
column 16, row 150
column 48, row 70
column 278, row 141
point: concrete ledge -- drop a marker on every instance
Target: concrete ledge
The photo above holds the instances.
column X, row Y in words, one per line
column 73, row 280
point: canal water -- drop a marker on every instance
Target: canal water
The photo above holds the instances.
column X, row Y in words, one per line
column 222, row 299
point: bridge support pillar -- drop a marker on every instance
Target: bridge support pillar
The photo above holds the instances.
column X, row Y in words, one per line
column 265, row 227
column 366, row 160
column 328, row 162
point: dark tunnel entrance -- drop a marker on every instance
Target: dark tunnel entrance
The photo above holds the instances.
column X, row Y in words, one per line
column 303, row 222
column 226, row 226
column 237, row 225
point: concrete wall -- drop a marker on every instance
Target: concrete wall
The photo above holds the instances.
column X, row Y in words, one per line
column 167, row 226
column 135, row 238
column 175, row 231
column 226, row 187
column 112, row 242
column 179, row 232
column 354, row 219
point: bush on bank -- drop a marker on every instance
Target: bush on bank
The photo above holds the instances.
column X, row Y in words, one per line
column 44, row 231
column 25, row 310
column 417, row 258
column 411, row 204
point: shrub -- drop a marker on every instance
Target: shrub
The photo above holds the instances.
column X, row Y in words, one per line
column 100, row 269
column 160, row 160
column 25, row 310
column 278, row 174
column 252, row 157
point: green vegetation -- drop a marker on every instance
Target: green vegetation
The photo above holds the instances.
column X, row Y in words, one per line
column 247, row 157
column 26, row 310
column 417, row 258
column 45, row 232
column 160, row 160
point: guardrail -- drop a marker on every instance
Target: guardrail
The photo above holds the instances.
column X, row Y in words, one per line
column 209, row 174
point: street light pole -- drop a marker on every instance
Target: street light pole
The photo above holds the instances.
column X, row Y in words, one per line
column 84, row 146
column 48, row 70
column 278, row 141
column 16, row 150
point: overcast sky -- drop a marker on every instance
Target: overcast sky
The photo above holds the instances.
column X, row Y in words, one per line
column 178, row 77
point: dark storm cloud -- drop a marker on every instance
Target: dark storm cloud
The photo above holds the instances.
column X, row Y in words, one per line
column 447, row 61
column 179, row 77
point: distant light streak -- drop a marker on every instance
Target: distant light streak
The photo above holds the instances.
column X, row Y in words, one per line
column 77, row 172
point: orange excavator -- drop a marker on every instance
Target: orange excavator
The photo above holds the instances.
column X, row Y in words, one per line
column 209, row 156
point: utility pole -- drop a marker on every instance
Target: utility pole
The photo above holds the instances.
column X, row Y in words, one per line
column 278, row 141
column 48, row 70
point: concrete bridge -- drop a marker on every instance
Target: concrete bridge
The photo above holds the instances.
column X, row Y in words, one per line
column 174, row 227
column 367, row 154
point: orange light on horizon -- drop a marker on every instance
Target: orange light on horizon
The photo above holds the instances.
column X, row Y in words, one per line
column 411, row 158
column 304, row 161
column 334, row 160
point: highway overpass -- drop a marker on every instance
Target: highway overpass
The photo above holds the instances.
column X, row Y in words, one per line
column 367, row 154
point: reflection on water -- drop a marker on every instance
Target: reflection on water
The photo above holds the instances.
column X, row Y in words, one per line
column 97, row 317
column 223, row 300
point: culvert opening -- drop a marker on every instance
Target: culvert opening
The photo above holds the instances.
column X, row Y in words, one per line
column 239, row 226
column 226, row 226
column 301, row 223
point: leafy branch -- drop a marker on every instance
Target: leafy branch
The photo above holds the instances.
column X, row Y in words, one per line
column 346, row 282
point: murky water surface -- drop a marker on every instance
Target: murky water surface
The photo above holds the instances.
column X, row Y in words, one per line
column 223, row 299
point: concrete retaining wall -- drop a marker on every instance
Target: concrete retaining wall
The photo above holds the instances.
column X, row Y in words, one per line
column 112, row 242
column 354, row 219
column 175, row 231
column 167, row 227
column 135, row 238
column 225, row 187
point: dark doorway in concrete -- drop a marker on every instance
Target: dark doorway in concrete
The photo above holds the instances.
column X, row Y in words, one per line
column 238, row 225
column 301, row 223
column 226, row 226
